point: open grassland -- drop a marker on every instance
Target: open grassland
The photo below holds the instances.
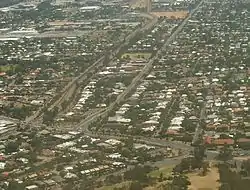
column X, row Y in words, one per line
column 166, row 171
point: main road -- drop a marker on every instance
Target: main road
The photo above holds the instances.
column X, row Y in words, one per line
column 104, row 113
column 146, row 69
column 68, row 90
column 83, row 125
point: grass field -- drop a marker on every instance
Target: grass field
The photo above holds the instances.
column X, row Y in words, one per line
column 137, row 56
column 208, row 182
column 170, row 14
column 198, row 182
column 166, row 171
column 6, row 68
column 123, row 184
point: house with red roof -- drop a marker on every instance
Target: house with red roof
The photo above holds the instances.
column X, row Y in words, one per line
column 2, row 74
column 218, row 142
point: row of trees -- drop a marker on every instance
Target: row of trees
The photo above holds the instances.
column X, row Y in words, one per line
column 49, row 115
column 233, row 178
column 17, row 112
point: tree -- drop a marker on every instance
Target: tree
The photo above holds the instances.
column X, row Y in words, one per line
column 183, row 166
column 161, row 177
column 139, row 173
column 33, row 157
column 87, row 184
column 69, row 185
column 13, row 185
column 205, row 166
column 245, row 167
column 119, row 188
column 199, row 152
column 135, row 185
column 44, row 5
column 11, row 147
column 181, row 182
column 188, row 125
column 126, row 153
column 166, row 186
column 36, row 142
column 64, row 105
column 113, row 179
column 129, row 143
column 225, row 153
column 231, row 179
column 49, row 115
column 225, row 186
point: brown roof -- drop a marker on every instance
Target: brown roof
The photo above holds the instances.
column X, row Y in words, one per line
column 172, row 132
column 223, row 141
column 242, row 140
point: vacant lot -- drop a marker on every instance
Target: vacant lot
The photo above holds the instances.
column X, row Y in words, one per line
column 171, row 14
column 208, row 182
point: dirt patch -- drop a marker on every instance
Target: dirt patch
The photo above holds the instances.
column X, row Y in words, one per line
column 171, row 14
column 208, row 182
column 138, row 4
column 242, row 158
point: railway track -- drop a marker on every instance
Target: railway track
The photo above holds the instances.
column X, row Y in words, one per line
column 69, row 89
column 104, row 113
